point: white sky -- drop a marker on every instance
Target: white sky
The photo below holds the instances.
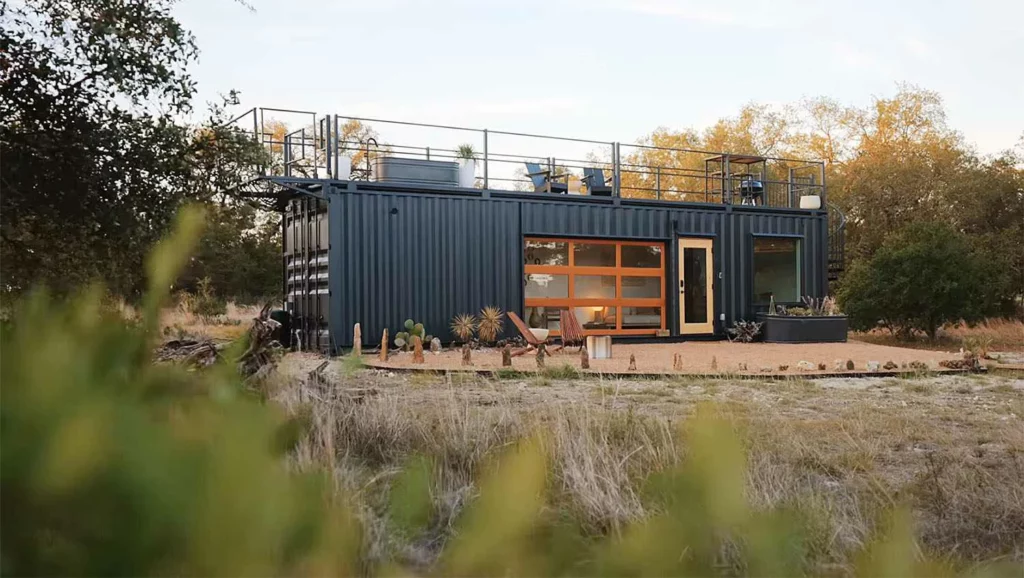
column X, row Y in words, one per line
column 610, row 69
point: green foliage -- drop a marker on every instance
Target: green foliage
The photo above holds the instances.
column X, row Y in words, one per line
column 203, row 303
column 92, row 152
column 562, row 371
column 922, row 277
column 112, row 465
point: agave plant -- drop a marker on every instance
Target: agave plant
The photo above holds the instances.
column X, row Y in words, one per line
column 465, row 151
column 491, row 321
column 463, row 326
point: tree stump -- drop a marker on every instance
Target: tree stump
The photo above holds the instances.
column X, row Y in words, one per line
column 849, row 365
column 714, row 363
column 384, row 346
column 677, row 362
column 357, row 340
column 584, row 358
column 542, row 352
column 417, row 349
column 632, row 362
column 467, row 355
column 506, row 356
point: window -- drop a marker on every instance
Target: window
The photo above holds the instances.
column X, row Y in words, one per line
column 776, row 269
column 613, row 287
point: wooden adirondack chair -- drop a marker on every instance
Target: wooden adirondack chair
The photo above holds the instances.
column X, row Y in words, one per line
column 572, row 331
column 528, row 335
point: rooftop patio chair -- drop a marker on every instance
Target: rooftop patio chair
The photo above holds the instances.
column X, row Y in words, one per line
column 531, row 339
column 572, row 331
column 596, row 184
column 544, row 181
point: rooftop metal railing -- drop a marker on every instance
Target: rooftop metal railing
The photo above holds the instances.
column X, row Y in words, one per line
column 317, row 146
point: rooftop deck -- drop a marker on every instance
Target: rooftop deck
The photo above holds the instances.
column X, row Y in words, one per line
column 328, row 146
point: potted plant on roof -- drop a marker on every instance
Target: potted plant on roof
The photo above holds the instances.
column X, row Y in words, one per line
column 466, row 157
column 819, row 321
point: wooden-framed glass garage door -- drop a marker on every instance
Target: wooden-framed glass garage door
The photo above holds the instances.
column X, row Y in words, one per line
column 696, row 286
column 613, row 287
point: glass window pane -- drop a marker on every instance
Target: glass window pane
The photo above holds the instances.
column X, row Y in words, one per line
column 648, row 256
column 546, row 253
column 543, row 317
column 545, row 285
column 776, row 270
column 593, row 255
column 641, row 317
column 641, row 287
column 597, row 317
column 695, row 282
column 594, row 287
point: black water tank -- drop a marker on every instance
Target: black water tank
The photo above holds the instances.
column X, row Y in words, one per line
column 283, row 334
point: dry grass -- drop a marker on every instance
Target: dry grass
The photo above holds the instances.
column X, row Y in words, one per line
column 837, row 452
column 233, row 324
column 1002, row 334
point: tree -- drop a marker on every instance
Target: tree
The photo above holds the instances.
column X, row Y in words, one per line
column 921, row 278
column 92, row 158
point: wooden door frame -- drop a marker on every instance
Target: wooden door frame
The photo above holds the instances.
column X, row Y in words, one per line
column 705, row 243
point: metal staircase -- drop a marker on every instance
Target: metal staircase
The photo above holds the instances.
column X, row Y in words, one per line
column 836, row 242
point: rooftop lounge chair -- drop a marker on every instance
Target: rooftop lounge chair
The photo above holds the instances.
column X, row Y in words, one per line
column 544, row 181
column 531, row 339
column 596, row 183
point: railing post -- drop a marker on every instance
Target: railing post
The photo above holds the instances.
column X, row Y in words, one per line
column 428, row 153
column 824, row 197
column 326, row 129
column 616, row 170
column 337, row 151
column 789, row 186
column 485, row 158
column 727, row 185
column 287, row 155
column 657, row 181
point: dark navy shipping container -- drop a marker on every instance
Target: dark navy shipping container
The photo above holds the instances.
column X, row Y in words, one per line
column 377, row 254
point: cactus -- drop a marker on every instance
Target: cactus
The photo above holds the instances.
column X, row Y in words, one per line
column 403, row 339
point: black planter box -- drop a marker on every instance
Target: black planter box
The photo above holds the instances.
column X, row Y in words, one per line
column 800, row 329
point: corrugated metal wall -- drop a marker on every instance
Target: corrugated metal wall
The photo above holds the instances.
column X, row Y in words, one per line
column 425, row 256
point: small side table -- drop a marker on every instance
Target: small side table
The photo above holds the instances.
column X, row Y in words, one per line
column 599, row 346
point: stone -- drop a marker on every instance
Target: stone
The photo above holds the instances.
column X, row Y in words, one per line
column 384, row 346
column 805, row 366
column 677, row 362
column 741, row 367
column 467, row 355
column 783, row 368
column 714, row 363
column 506, row 356
column 632, row 362
column 890, row 365
column 584, row 358
column 822, row 366
column 874, row 366
column 849, row 365
column 766, row 369
column 417, row 349
column 357, row 340
column 838, row 365
column 918, row 366
column 541, row 354
column 435, row 346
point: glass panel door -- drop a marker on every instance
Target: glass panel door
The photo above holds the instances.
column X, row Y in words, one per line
column 696, row 295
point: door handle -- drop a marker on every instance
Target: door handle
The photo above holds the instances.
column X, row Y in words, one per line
column 682, row 288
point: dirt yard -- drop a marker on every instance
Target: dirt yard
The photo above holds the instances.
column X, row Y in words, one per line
column 699, row 357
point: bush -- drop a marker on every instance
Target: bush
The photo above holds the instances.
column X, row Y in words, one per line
column 921, row 278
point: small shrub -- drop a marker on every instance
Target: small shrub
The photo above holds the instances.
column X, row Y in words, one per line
column 203, row 304
column 563, row 371
column 745, row 331
column 490, row 324
column 463, row 326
